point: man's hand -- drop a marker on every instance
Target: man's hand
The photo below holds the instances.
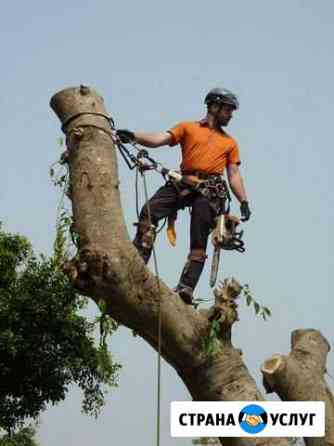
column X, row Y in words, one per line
column 125, row 136
column 245, row 211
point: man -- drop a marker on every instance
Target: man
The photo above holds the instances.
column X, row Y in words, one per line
column 207, row 150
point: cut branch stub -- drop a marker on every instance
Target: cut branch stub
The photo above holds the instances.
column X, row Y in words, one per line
column 225, row 307
column 74, row 103
column 300, row 376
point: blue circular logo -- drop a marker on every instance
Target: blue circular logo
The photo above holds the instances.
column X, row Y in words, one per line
column 253, row 419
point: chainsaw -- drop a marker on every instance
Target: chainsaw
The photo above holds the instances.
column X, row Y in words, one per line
column 225, row 236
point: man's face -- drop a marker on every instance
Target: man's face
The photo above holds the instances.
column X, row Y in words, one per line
column 223, row 113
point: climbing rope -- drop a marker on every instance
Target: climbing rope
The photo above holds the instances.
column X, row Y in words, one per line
column 137, row 203
column 138, row 163
column 155, row 260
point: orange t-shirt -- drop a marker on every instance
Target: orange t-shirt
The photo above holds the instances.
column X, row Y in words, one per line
column 204, row 149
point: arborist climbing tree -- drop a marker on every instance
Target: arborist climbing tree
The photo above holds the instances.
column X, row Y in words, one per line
column 207, row 151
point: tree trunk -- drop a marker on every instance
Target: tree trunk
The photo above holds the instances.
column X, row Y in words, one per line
column 300, row 377
column 109, row 268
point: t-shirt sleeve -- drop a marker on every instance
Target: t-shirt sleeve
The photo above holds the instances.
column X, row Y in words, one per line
column 177, row 133
column 234, row 155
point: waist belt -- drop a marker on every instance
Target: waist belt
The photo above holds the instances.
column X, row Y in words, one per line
column 214, row 187
column 201, row 175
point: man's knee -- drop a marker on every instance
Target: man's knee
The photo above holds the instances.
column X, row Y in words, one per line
column 197, row 255
column 146, row 210
column 157, row 209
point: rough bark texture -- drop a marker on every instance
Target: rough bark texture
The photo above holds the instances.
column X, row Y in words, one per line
column 300, row 377
column 108, row 267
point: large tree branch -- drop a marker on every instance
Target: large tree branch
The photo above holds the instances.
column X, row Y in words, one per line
column 108, row 267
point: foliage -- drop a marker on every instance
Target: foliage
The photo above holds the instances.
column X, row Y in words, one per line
column 210, row 343
column 14, row 252
column 106, row 323
column 24, row 437
column 259, row 309
column 45, row 345
column 66, row 237
column 59, row 173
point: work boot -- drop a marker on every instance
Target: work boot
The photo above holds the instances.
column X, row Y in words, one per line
column 185, row 292
column 144, row 239
column 188, row 280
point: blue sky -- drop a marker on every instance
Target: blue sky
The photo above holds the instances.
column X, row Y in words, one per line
column 153, row 62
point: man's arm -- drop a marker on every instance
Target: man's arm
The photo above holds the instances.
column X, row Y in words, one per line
column 236, row 182
column 237, row 185
column 153, row 139
column 145, row 139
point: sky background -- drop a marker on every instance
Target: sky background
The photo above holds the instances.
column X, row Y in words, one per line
column 153, row 62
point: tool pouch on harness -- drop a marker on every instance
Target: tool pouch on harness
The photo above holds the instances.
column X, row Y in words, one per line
column 145, row 238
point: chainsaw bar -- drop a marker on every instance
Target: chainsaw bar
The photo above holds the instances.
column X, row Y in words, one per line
column 215, row 266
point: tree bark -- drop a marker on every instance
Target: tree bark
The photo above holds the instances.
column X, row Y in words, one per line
column 109, row 268
column 300, row 377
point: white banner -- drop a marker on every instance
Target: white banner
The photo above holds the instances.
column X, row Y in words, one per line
column 247, row 419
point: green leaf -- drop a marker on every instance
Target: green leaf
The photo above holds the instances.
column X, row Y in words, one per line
column 264, row 311
column 267, row 311
column 263, row 314
column 211, row 344
column 102, row 306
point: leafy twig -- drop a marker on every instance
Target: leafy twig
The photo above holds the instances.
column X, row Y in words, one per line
column 259, row 309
